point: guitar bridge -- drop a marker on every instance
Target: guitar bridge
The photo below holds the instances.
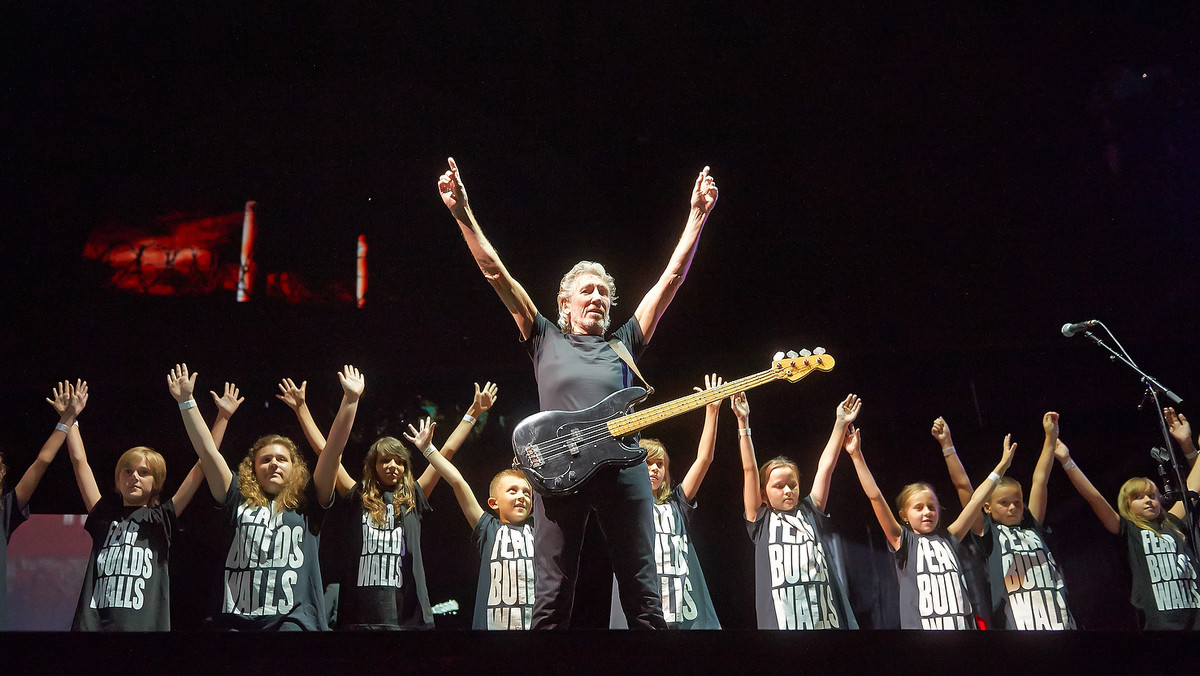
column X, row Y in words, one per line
column 532, row 456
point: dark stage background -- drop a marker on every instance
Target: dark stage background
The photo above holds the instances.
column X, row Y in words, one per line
column 927, row 192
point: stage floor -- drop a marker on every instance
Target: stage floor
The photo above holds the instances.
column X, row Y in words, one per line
column 586, row 652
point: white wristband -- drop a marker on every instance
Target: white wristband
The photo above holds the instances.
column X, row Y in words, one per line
column 947, row 452
column 468, row 418
column 1068, row 465
column 185, row 405
column 744, row 432
column 994, row 478
column 1191, row 455
column 429, row 450
column 62, row 427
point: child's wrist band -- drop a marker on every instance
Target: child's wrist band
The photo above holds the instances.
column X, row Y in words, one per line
column 994, row 478
column 185, row 405
column 744, row 432
column 947, row 452
column 468, row 418
column 1068, row 465
column 429, row 450
column 62, row 427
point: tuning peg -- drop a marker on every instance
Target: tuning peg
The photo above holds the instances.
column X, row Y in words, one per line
column 819, row 351
column 803, row 353
column 792, row 354
column 777, row 357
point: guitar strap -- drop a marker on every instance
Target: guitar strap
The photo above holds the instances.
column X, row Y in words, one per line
column 623, row 353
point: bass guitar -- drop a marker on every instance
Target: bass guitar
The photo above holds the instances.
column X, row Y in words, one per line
column 560, row 450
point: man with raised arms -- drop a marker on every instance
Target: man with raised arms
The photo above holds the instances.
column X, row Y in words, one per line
column 575, row 368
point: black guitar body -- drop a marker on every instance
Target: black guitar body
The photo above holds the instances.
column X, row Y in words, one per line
column 559, row 450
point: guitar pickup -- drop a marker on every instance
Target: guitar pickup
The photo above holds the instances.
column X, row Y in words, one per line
column 532, row 456
column 575, row 441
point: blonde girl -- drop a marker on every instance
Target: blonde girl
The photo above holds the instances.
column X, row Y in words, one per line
column 686, row 603
column 1162, row 564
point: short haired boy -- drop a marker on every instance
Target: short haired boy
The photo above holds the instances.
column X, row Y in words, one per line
column 504, row 594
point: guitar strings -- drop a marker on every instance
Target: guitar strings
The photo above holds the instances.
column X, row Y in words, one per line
column 563, row 445
column 695, row 400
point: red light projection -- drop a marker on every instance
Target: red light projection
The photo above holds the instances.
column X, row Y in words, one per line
column 187, row 254
column 176, row 255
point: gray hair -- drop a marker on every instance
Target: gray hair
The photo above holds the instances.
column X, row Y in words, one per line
column 567, row 285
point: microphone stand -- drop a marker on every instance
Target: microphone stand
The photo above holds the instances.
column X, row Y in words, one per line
column 1153, row 389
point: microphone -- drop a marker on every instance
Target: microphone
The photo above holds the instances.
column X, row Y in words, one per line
column 1069, row 330
column 1162, row 456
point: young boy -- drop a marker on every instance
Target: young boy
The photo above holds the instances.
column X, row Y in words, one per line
column 1025, row 584
column 504, row 595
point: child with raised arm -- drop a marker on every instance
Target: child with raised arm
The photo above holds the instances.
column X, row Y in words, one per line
column 1027, row 587
column 67, row 401
column 1161, row 560
column 504, row 593
column 127, row 583
column 373, row 538
column 686, row 603
column 796, row 584
column 272, row 516
column 933, row 593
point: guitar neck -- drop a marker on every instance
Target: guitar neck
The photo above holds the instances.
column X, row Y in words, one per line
column 635, row 422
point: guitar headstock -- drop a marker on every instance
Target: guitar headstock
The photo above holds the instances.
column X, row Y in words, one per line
column 796, row 365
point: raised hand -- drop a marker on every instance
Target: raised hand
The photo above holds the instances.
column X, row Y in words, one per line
column 454, row 193
column 704, row 194
column 853, row 440
column 1010, row 449
column 741, row 408
column 79, row 398
column 1050, row 424
column 180, row 383
column 1178, row 425
column 228, row 403
column 421, row 437
column 485, row 397
column 290, row 394
column 711, row 382
column 847, row 411
column 1061, row 452
column 353, row 382
column 60, row 397
column 941, row 432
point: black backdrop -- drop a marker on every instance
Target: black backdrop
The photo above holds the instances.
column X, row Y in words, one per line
column 928, row 193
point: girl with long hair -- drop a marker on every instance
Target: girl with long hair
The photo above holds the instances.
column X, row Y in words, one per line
column 686, row 603
column 272, row 515
column 1162, row 562
column 373, row 544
